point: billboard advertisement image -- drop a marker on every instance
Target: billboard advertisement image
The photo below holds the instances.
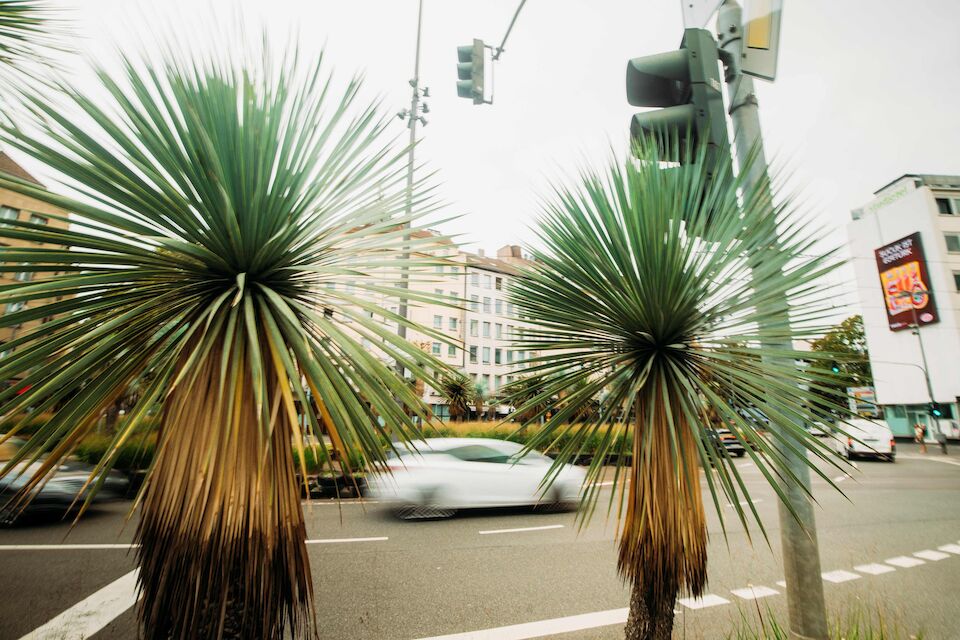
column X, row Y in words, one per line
column 906, row 283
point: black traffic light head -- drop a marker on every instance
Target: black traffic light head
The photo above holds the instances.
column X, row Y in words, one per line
column 686, row 83
column 936, row 410
column 835, row 369
column 470, row 71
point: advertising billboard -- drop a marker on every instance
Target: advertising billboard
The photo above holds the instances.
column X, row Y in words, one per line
column 906, row 283
column 863, row 402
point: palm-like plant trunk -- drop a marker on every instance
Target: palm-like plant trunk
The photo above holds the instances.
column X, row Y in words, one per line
column 222, row 533
column 663, row 545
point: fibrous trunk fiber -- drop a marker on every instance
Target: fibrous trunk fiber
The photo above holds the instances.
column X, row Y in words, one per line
column 222, row 535
column 663, row 541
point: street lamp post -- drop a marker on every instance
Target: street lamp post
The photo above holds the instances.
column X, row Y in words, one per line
column 915, row 329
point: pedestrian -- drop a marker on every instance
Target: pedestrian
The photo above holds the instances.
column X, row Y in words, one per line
column 919, row 434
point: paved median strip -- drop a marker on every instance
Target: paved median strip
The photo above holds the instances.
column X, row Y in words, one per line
column 521, row 529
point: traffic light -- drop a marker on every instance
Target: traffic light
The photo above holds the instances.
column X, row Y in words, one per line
column 835, row 368
column 936, row 410
column 686, row 83
column 470, row 71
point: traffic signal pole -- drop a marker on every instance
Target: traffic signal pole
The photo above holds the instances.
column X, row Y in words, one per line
column 798, row 536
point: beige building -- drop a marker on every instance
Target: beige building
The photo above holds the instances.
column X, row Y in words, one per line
column 14, row 206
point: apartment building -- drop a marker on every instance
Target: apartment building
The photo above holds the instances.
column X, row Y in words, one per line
column 905, row 245
column 14, row 206
column 483, row 324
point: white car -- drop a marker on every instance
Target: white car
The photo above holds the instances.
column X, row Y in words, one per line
column 444, row 475
column 865, row 438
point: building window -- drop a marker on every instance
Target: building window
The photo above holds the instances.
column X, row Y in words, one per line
column 6, row 213
column 953, row 242
column 23, row 276
column 35, row 219
column 438, row 268
column 498, row 284
column 452, row 324
column 496, row 382
column 453, row 295
column 474, row 328
column 435, row 348
column 14, row 307
column 475, row 279
column 439, row 292
column 455, row 271
column 486, row 305
column 509, row 379
column 486, row 355
column 509, row 330
column 473, row 355
column 452, row 350
column 509, row 356
column 486, row 329
column 474, row 303
column 510, row 309
column 497, row 356
column 498, row 330
column 956, row 280
column 943, row 207
column 486, row 381
column 486, row 280
column 438, row 322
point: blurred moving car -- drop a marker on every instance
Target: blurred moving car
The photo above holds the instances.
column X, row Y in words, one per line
column 865, row 439
column 58, row 497
column 445, row 475
column 724, row 438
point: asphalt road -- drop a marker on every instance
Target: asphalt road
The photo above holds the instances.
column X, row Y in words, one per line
column 380, row 578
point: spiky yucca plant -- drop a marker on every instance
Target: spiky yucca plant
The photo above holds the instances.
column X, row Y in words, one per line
column 457, row 390
column 230, row 213
column 661, row 287
column 29, row 31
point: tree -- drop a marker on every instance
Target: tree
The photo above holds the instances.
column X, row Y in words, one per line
column 846, row 347
column 458, row 392
column 221, row 204
column 646, row 283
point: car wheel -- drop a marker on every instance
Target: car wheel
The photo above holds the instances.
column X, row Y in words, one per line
column 892, row 457
column 740, row 454
column 427, row 509
column 8, row 517
column 850, row 455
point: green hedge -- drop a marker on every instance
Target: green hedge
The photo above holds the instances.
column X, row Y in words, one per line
column 135, row 454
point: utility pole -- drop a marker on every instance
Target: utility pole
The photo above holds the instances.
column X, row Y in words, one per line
column 798, row 536
column 915, row 329
column 413, row 115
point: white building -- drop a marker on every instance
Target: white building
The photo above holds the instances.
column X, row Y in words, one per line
column 483, row 325
column 929, row 206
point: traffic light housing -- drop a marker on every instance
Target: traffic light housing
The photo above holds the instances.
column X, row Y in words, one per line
column 686, row 83
column 936, row 410
column 835, row 368
column 470, row 71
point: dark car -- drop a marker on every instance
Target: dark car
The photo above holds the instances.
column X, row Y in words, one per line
column 725, row 438
column 58, row 497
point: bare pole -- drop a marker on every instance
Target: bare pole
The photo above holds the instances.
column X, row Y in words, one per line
column 412, row 116
column 500, row 49
column 798, row 535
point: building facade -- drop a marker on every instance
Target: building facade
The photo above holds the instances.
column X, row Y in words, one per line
column 481, row 326
column 14, row 206
column 905, row 245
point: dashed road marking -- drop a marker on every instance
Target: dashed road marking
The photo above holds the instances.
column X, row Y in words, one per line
column 704, row 601
column 755, row 592
column 904, row 561
column 782, row 583
column 521, row 529
column 952, row 548
column 931, row 459
column 874, row 569
column 336, row 540
column 840, row 576
column 91, row 614
column 840, row 478
column 543, row 627
column 929, row 554
column 744, row 503
column 63, row 547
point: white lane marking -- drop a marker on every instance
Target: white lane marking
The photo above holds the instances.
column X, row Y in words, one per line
column 91, row 614
column 61, row 547
column 608, row 483
column 840, row 478
column 544, row 528
column 708, row 600
column 744, row 465
column 542, row 627
column 782, row 583
column 335, row 540
column 931, row 459
column 840, row 576
column 744, row 503
column 952, row 548
column 752, row 593
column 929, row 554
column 874, row 569
column 331, row 503
column 904, row 561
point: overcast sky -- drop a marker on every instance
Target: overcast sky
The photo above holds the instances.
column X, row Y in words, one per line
column 867, row 89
